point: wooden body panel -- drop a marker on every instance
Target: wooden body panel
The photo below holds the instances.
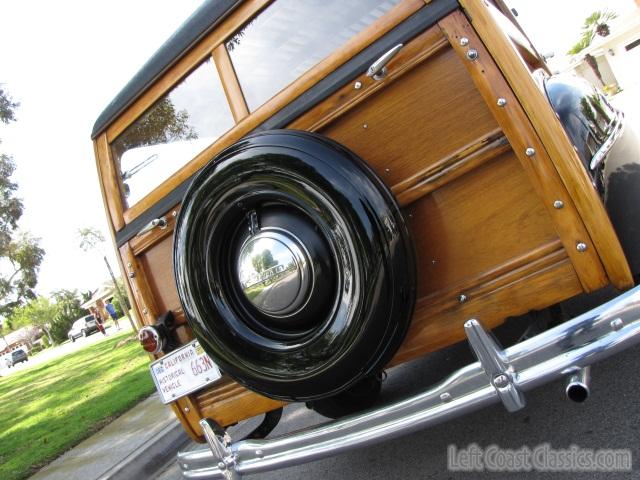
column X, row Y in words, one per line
column 489, row 241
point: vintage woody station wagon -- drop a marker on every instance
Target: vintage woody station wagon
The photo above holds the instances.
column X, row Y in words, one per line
column 304, row 193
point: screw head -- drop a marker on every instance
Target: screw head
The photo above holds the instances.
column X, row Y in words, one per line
column 581, row 247
column 365, row 126
column 617, row 324
column 174, row 213
column 472, row 54
column 445, row 397
column 187, row 409
column 501, row 102
column 357, row 85
column 222, row 466
column 501, row 380
column 462, row 298
column 464, row 41
column 558, row 204
column 530, row 152
column 259, row 453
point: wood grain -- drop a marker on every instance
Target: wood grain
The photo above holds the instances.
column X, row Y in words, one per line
column 109, row 184
column 468, row 227
column 547, row 126
column 538, row 288
column 451, row 167
column 230, row 83
column 406, row 127
column 229, row 402
column 146, row 302
column 522, row 136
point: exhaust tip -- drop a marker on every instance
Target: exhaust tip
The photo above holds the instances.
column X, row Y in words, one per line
column 578, row 385
column 577, row 392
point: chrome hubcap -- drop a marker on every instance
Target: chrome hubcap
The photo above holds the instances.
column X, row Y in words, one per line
column 275, row 274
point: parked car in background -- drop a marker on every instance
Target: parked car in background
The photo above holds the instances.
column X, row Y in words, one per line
column 15, row 357
column 83, row 327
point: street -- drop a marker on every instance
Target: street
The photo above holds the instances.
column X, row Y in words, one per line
column 63, row 349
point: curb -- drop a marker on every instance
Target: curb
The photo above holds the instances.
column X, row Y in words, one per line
column 158, row 451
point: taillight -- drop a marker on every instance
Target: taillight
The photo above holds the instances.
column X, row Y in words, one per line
column 150, row 339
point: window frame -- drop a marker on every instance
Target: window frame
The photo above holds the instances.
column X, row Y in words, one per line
column 213, row 45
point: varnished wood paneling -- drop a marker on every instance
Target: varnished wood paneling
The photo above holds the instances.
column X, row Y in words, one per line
column 425, row 45
column 230, row 83
column 416, row 121
column 435, row 327
column 145, row 299
column 558, row 145
column 157, row 263
column 229, row 403
column 140, row 243
column 451, row 167
column 542, row 174
column 482, row 219
column 304, row 82
column 109, row 182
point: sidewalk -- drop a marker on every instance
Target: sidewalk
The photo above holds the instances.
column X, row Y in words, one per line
column 133, row 446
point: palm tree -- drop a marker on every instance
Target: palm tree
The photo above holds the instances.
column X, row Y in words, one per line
column 594, row 24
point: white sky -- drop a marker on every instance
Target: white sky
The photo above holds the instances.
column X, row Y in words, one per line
column 64, row 61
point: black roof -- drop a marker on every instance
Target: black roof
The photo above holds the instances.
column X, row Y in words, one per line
column 199, row 24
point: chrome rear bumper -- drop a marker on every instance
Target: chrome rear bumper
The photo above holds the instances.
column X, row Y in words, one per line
column 498, row 375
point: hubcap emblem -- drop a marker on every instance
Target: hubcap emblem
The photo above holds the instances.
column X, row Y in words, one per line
column 274, row 273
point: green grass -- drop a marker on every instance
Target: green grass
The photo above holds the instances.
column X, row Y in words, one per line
column 47, row 409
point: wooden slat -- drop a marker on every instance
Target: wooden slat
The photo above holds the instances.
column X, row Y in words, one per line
column 442, row 327
column 232, row 403
column 109, row 184
column 556, row 142
column 487, row 218
column 451, row 167
column 417, row 51
column 416, row 121
column 395, row 16
column 230, row 83
column 140, row 244
column 142, row 294
column 522, row 136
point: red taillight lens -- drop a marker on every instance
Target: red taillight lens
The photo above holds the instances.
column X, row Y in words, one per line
column 150, row 339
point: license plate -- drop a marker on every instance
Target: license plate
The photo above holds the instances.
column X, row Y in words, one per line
column 183, row 371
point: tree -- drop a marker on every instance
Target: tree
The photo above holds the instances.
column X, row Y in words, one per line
column 20, row 253
column 39, row 312
column 594, row 24
column 161, row 124
column 92, row 239
column 68, row 309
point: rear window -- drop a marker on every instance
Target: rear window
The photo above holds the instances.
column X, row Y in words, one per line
column 171, row 132
column 291, row 36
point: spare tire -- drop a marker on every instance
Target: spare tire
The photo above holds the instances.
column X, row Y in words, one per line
column 294, row 265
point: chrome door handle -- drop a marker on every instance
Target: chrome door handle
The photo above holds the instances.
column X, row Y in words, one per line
column 156, row 222
column 378, row 69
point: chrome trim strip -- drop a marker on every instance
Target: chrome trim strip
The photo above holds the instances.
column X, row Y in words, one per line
column 577, row 343
column 604, row 149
